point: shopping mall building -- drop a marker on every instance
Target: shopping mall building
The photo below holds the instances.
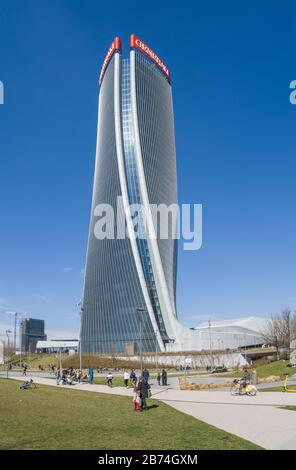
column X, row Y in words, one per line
column 130, row 283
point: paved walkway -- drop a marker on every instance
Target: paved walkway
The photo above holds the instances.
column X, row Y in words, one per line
column 258, row 419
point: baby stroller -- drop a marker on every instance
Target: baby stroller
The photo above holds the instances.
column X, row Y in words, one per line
column 69, row 380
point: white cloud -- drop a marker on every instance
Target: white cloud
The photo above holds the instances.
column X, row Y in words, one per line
column 44, row 298
column 67, row 269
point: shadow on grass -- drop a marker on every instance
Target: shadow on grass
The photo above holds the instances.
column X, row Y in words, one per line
column 151, row 407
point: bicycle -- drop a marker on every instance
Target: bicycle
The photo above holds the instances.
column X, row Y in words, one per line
column 28, row 385
column 246, row 389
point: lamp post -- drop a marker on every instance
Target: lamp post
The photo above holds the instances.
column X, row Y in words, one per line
column 156, row 355
column 7, row 334
column 210, row 334
column 60, row 358
column 21, row 336
column 140, row 311
column 80, row 349
column 16, row 316
column 21, row 345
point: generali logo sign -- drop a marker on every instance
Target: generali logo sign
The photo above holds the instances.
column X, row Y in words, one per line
column 115, row 46
column 141, row 46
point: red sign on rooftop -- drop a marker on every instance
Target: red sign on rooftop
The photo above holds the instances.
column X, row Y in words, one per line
column 115, row 46
column 137, row 43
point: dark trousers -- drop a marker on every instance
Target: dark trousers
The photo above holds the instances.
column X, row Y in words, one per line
column 143, row 403
column 126, row 382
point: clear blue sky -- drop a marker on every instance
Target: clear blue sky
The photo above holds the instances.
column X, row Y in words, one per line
column 231, row 64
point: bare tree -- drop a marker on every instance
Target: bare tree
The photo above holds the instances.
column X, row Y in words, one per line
column 272, row 333
column 293, row 326
column 280, row 330
column 286, row 326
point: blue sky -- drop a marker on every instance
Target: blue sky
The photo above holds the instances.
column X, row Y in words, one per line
column 231, row 64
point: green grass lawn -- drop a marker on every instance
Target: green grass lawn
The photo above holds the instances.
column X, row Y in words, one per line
column 264, row 370
column 275, row 368
column 52, row 418
column 271, row 389
column 117, row 381
column 291, row 408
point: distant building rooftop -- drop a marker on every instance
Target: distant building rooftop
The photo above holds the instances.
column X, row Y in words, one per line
column 54, row 344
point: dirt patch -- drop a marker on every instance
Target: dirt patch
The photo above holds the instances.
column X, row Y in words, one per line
column 185, row 383
column 269, row 379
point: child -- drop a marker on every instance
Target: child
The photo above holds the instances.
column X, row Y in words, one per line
column 136, row 399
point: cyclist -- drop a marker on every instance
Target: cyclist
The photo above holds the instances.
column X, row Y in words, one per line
column 245, row 380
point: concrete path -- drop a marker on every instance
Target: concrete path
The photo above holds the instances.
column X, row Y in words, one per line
column 258, row 419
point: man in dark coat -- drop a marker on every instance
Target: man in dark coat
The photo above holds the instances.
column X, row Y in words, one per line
column 143, row 388
column 133, row 377
column 146, row 375
column 164, row 377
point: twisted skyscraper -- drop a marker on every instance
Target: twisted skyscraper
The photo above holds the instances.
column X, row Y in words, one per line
column 135, row 159
column 130, row 282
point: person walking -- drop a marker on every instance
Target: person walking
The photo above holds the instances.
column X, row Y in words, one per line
column 158, row 377
column 63, row 376
column 164, row 377
column 58, row 376
column 91, row 375
column 143, row 388
column 146, row 375
column 109, row 379
column 133, row 376
column 126, row 376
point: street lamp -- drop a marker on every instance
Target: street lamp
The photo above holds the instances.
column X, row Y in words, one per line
column 140, row 310
column 7, row 334
column 210, row 334
column 21, row 326
column 80, row 349
column 156, row 351
column 60, row 357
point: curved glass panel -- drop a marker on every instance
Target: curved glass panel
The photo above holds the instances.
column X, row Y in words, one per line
column 134, row 194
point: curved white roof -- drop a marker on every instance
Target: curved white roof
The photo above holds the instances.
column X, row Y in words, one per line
column 255, row 324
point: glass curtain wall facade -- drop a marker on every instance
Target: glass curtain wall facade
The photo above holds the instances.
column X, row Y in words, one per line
column 134, row 193
column 31, row 331
column 157, row 138
column 115, row 285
